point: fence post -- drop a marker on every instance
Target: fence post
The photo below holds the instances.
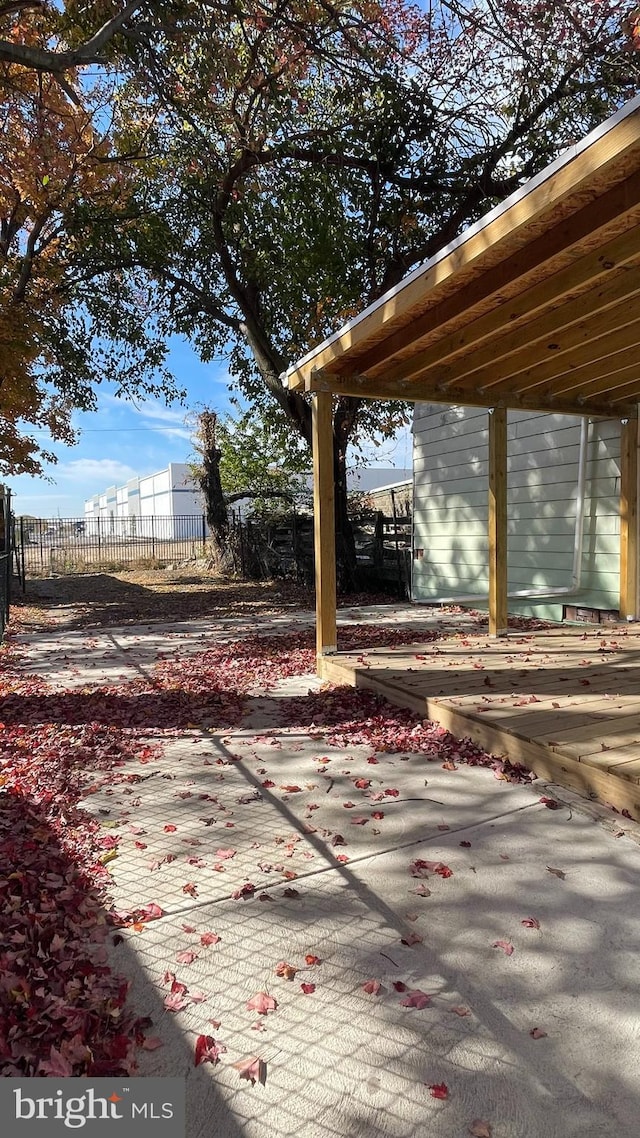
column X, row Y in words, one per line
column 23, row 575
column 378, row 541
column 153, row 536
column 294, row 538
column 99, row 540
column 395, row 535
column 204, row 534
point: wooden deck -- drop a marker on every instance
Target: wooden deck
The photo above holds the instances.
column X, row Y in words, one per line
column 564, row 701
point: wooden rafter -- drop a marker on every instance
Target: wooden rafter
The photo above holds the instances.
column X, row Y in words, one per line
column 535, row 308
column 558, row 286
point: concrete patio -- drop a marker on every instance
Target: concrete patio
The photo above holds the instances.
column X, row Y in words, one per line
column 340, row 1061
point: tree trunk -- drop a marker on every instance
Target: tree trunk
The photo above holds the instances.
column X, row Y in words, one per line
column 211, row 486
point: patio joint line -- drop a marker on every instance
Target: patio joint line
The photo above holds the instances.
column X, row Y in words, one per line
column 343, row 869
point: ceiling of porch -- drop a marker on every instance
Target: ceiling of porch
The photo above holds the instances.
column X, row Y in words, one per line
column 534, row 307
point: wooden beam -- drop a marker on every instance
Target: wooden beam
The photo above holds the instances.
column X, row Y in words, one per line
column 629, row 519
column 324, row 524
column 497, row 521
column 422, row 392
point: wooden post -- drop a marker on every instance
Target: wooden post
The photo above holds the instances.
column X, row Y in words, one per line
column 324, row 525
column 497, row 521
column 628, row 519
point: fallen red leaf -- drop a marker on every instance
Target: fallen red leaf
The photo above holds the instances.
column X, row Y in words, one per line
column 207, row 1050
column 439, row 1090
column 371, row 987
column 530, row 923
column 262, row 1003
column 420, row 868
column 285, row 970
column 246, row 890
column 412, row 938
column 255, row 1070
column 505, row 945
column 421, row 890
column 537, row 1033
column 311, row 959
column 186, row 957
column 480, row 1129
column 207, row 939
column 416, row 999
column 174, row 1002
column 308, row 988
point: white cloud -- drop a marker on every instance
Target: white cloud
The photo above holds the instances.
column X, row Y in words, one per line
column 157, row 412
column 101, row 471
column 164, row 420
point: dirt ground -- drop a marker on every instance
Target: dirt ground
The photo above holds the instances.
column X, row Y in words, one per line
column 97, row 600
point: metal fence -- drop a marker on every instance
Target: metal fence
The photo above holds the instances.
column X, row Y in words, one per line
column 5, row 590
column 56, row 546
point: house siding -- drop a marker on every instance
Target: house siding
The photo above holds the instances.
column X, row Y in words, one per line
column 451, row 507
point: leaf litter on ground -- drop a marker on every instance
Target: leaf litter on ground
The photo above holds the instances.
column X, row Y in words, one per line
column 52, row 738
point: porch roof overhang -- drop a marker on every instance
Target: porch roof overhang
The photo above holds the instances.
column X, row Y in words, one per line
column 534, row 307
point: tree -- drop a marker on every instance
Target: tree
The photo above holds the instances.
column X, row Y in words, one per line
column 242, row 459
column 207, row 473
column 59, row 178
column 300, row 158
column 307, row 164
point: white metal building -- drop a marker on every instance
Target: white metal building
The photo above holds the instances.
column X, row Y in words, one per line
column 170, row 497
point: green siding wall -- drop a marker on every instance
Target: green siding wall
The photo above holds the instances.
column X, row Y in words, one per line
column 450, row 506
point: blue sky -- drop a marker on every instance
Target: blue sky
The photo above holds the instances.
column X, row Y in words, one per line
column 123, row 439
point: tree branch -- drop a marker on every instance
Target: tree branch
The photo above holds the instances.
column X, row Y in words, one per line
column 56, row 62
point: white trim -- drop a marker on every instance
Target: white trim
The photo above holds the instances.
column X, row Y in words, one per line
column 558, row 163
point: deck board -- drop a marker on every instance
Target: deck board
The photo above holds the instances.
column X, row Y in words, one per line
column 565, row 701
